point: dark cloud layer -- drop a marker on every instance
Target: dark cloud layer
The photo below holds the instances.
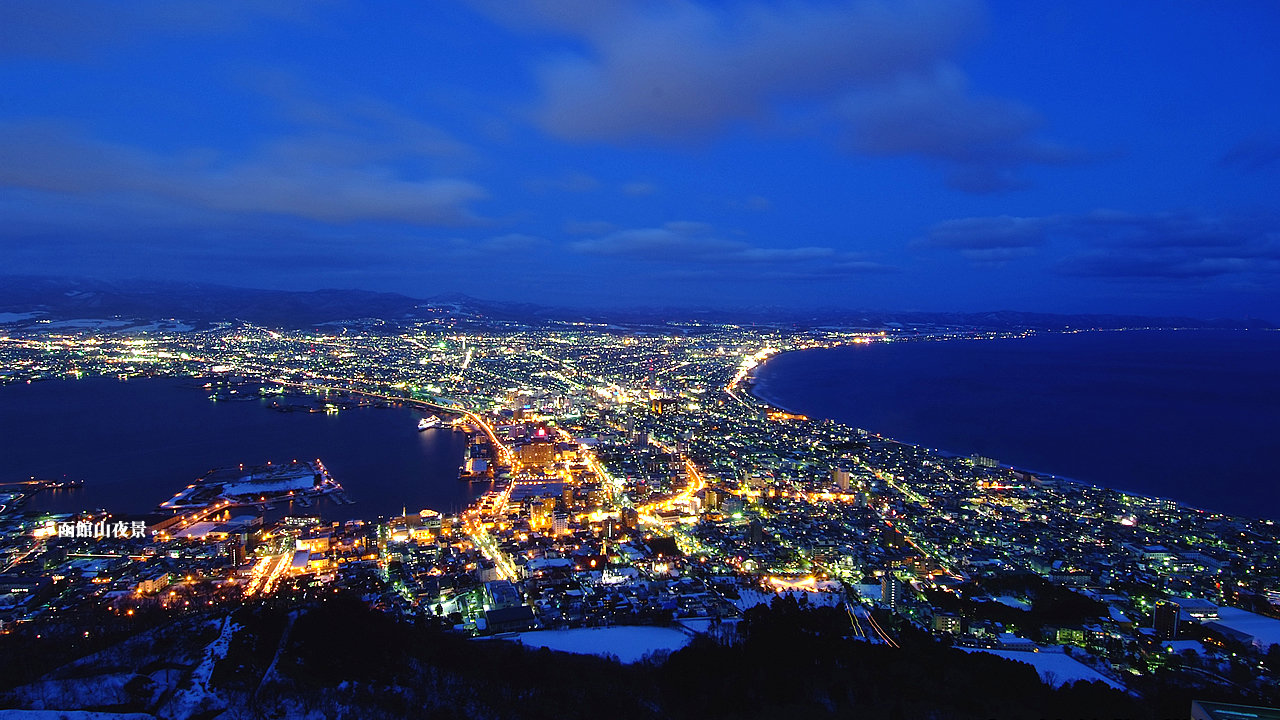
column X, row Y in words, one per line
column 1111, row 244
column 704, row 252
column 79, row 29
column 981, row 141
column 1253, row 155
column 512, row 147
column 319, row 176
column 679, row 70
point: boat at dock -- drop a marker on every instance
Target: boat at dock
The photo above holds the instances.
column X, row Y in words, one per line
column 429, row 423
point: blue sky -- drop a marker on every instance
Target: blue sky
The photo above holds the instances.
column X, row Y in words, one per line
column 922, row 154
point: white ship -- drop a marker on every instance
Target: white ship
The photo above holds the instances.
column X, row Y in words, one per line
column 428, row 423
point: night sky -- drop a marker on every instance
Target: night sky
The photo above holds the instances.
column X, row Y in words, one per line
column 927, row 154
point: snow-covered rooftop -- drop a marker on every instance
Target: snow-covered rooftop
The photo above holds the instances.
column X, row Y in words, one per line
column 1265, row 630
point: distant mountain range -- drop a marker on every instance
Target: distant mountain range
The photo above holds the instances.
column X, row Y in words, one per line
column 67, row 298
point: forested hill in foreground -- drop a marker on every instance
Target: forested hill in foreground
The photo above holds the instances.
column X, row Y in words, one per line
column 339, row 658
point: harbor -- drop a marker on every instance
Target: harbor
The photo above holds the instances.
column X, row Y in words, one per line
column 376, row 453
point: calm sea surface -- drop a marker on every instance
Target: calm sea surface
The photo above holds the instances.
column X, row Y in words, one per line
column 1190, row 415
column 136, row 443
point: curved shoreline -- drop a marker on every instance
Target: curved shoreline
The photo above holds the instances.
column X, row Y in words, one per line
column 426, row 477
column 751, row 383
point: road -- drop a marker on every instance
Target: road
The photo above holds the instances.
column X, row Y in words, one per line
column 266, row 574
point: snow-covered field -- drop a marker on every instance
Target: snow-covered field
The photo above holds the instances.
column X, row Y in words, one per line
column 1055, row 668
column 627, row 643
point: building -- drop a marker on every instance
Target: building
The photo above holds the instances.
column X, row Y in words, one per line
column 1165, row 620
column 541, row 510
column 510, row 619
column 1198, row 609
column 946, row 623
column 892, row 592
column 711, row 499
column 1070, row 636
column 980, row 461
column 630, row 518
column 501, row 594
column 840, row 478
column 538, row 453
column 1202, row 710
column 153, row 583
column 236, row 549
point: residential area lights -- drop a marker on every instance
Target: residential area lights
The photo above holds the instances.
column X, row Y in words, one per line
column 634, row 478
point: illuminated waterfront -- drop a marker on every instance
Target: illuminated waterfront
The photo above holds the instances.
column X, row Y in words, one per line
column 629, row 478
column 1187, row 414
column 135, row 443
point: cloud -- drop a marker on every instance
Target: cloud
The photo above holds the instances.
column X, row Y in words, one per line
column 512, row 242
column 499, row 245
column 1166, row 230
column 989, row 233
column 699, row 249
column 570, row 182
column 990, row 241
column 981, row 141
column 671, row 242
column 639, row 189
column 1175, row 246
column 328, row 178
column 358, row 127
column 1109, row 243
column 1252, row 155
column 780, row 273
column 75, row 29
column 1163, row 265
column 757, row 203
column 589, row 227
column 680, row 70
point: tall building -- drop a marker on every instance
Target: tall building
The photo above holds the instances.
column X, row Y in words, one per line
column 236, row 548
column 540, row 512
column 892, row 592
column 630, row 517
column 1166, row 620
column 840, row 477
column 711, row 499
column 536, row 454
column 981, row 461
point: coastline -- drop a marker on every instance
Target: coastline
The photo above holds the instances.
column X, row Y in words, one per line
column 380, row 458
column 759, row 392
column 752, row 385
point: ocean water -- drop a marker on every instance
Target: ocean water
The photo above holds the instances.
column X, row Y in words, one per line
column 1190, row 415
column 135, row 443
